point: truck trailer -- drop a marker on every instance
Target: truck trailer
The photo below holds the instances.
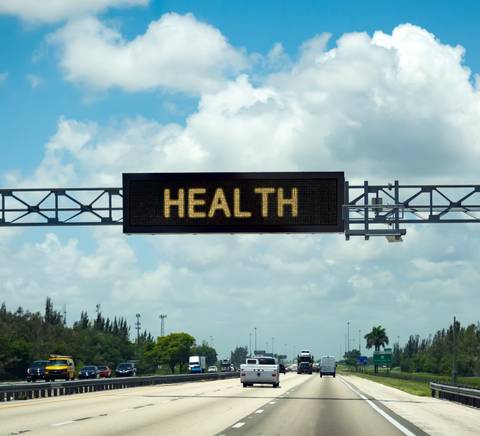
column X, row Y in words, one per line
column 197, row 364
column 305, row 362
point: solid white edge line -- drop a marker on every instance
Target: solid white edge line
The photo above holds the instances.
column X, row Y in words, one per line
column 377, row 409
column 238, row 425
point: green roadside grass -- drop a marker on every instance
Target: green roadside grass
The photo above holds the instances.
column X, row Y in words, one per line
column 412, row 387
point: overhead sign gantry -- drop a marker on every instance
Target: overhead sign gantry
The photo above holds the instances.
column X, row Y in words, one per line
column 244, row 202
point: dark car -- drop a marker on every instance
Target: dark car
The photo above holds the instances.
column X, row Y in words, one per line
column 90, row 371
column 104, row 371
column 36, row 371
column 282, row 368
column 126, row 369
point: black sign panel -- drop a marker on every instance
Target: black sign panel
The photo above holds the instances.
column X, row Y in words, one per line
column 233, row 202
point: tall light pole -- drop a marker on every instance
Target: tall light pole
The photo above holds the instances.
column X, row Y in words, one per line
column 273, row 340
column 250, row 344
column 454, row 356
column 348, row 336
column 255, row 349
column 137, row 326
column 162, row 324
column 211, row 341
column 359, row 347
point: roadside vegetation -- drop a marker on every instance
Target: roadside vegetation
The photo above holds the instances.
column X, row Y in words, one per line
column 421, row 361
column 26, row 336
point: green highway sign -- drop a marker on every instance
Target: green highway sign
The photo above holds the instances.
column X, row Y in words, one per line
column 382, row 357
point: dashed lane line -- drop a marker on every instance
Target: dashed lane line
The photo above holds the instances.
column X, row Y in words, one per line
column 238, row 425
column 59, row 424
column 259, row 411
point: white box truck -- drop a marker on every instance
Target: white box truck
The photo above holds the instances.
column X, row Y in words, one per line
column 261, row 370
column 197, row 364
column 328, row 366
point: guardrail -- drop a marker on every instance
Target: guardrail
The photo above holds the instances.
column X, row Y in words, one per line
column 458, row 394
column 28, row 391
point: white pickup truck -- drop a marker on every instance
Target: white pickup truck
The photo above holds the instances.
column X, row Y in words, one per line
column 262, row 370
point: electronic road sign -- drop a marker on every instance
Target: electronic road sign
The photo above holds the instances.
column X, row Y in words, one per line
column 288, row 202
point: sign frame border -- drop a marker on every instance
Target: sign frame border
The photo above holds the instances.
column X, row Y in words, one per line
column 128, row 228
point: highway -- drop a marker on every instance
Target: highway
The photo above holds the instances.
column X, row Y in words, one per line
column 303, row 404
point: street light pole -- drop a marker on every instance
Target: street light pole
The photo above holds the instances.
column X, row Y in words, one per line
column 454, row 363
column 273, row 339
column 255, row 340
column 137, row 327
column 348, row 336
column 162, row 324
column 250, row 344
column 359, row 348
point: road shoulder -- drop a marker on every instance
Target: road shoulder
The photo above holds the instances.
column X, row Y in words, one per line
column 433, row 416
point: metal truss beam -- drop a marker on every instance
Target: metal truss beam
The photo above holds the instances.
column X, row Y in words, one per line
column 369, row 210
column 381, row 210
column 60, row 207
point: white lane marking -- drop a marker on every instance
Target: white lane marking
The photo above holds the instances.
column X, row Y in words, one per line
column 58, row 424
column 259, row 411
column 377, row 409
column 126, row 410
column 238, row 425
column 272, row 402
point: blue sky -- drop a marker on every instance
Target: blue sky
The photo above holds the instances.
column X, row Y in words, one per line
column 257, row 26
column 252, row 86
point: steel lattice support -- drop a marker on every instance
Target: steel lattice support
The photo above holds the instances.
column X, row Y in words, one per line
column 60, row 207
column 380, row 210
column 369, row 210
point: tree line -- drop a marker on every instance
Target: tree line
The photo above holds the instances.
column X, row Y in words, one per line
column 435, row 354
column 27, row 336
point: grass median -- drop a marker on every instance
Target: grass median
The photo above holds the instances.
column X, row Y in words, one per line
column 412, row 387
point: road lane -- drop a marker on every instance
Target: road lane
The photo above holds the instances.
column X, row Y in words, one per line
column 321, row 406
column 203, row 408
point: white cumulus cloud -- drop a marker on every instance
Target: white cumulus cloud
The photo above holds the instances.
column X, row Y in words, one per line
column 49, row 11
column 176, row 52
column 400, row 105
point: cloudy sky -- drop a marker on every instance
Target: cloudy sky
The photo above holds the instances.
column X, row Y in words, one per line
column 381, row 90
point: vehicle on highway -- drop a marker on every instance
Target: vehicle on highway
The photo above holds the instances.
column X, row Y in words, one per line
column 104, row 371
column 262, row 370
column 304, row 362
column 36, row 370
column 212, row 368
column 197, row 364
column 282, row 368
column 328, row 366
column 126, row 369
column 90, row 371
column 59, row 367
column 225, row 365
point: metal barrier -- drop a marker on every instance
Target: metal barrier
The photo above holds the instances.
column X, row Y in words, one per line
column 459, row 394
column 26, row 391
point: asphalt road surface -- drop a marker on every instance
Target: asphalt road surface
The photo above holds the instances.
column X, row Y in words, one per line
column 306, row 405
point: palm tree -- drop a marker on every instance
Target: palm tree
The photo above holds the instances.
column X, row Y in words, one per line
column 376, row 338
